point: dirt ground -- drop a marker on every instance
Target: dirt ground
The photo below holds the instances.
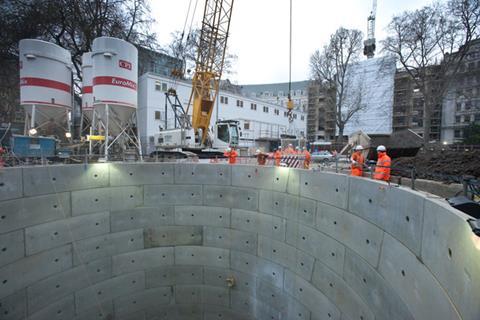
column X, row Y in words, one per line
column 439, row 165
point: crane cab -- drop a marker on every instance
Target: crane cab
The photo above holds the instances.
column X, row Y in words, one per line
column 225, row 134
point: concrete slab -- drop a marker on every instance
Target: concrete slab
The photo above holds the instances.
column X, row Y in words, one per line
column 177, row 312
column 46, row 263
column 313, row 299
column 330, row 188
column 106, row 199
column 61, row 178
column 24, row 212
column 414, row 283
column 11, row 185
column 194, row 255
column 242, row 281
column 230, row 239
column 143, row 300
column 230, row 197
column 100, row 311
column 264, row 224
column 59, row 310
column 142, row 260
column 53, row 288
column 108, row 245
column 173, row 275
column 293, row 184
column 217, row 312
column 173, row 236
column 109, row 289
column 198, row 173
column 373, row 289
column 14, row 306
column 132, row 174
column 451, row 252
column 287, row 206
column 172, row 194
column 202, row 216
column 265, row 178
column 247, row 306
column 53, row 234
column 357, row 234
column 264, row 270
column 396, row 210
column 338, row 292
column 142, row 217
column 12, row 247
column 288, row 256
column 316, row 244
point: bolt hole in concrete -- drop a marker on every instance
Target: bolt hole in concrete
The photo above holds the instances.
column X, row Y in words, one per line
column 296, row 270
column 2, row 184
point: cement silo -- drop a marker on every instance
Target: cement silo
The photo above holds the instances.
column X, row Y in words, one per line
column 87, row 85
column 115, row 76
column 45, row 86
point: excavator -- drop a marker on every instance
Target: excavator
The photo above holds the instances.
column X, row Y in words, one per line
column 197, row 137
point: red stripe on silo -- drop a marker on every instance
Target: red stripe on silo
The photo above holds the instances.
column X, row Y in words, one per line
column 45, row 83
column 87, row 89
column 115, row 81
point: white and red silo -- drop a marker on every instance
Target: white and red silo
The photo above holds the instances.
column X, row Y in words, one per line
column 45, row 84
column 115, row 78
column 87, row 85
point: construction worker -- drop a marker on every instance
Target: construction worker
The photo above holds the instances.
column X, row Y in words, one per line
column 278, row 156
column 261, row 157
column 232, row 155
column 289, row 150
column 384, row 163
column 307, row 158
column 358, row 161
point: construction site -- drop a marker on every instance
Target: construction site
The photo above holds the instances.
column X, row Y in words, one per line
column 139, row 187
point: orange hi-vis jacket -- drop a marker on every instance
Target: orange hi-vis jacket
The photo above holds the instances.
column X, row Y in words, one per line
column 278, row 157
column 232, row 156
column 357, row 168
column 308, row 158
column 382, row 170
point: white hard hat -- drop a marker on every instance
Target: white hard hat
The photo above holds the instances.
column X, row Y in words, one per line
column 358, row 148
column 279, row 147
column 258, row 151
column 298, row 148
column 381, row 148
column 229, row 149
column 290, row 145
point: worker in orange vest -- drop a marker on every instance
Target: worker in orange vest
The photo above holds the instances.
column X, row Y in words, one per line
column 384, row 164
column 358, row 161
column 278, row 156
column 261, row 157
column 307, row 158
column 232, row 155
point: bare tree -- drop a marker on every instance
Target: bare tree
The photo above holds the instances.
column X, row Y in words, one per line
column 331, row 65
column 430, row 44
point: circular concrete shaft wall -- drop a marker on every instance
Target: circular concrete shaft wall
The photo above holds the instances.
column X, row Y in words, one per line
column 199, row 241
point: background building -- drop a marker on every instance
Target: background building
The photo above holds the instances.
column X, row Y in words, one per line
column 277, row 93
column 261, row 123
column 461, row 106
column 321, row 114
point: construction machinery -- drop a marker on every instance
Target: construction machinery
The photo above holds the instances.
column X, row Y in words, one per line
column 369, row 44
column 198, row 136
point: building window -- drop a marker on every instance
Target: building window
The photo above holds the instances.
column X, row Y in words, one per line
column 457, row 119
column 253, row 106
column 459, row 106
column 294, row 116
column 285, row 113
column 457, row 133
column 246, row 125
column 477, row 117
column 223, row 100
column 265, row 109
column 157, row 115
column 302, row 118
column 276, row 112
column 240, row 103
column 160, row 86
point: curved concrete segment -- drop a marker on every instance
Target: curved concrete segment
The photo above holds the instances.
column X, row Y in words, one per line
column 201, row 241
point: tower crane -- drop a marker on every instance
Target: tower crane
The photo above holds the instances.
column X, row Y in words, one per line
column 369, row 44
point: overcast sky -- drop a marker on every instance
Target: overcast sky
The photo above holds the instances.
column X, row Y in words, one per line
column 259, row 30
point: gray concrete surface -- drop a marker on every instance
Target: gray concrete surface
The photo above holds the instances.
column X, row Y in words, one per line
column 159, row 241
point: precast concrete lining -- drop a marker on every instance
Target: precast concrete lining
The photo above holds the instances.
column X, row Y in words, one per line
column 211, row 241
